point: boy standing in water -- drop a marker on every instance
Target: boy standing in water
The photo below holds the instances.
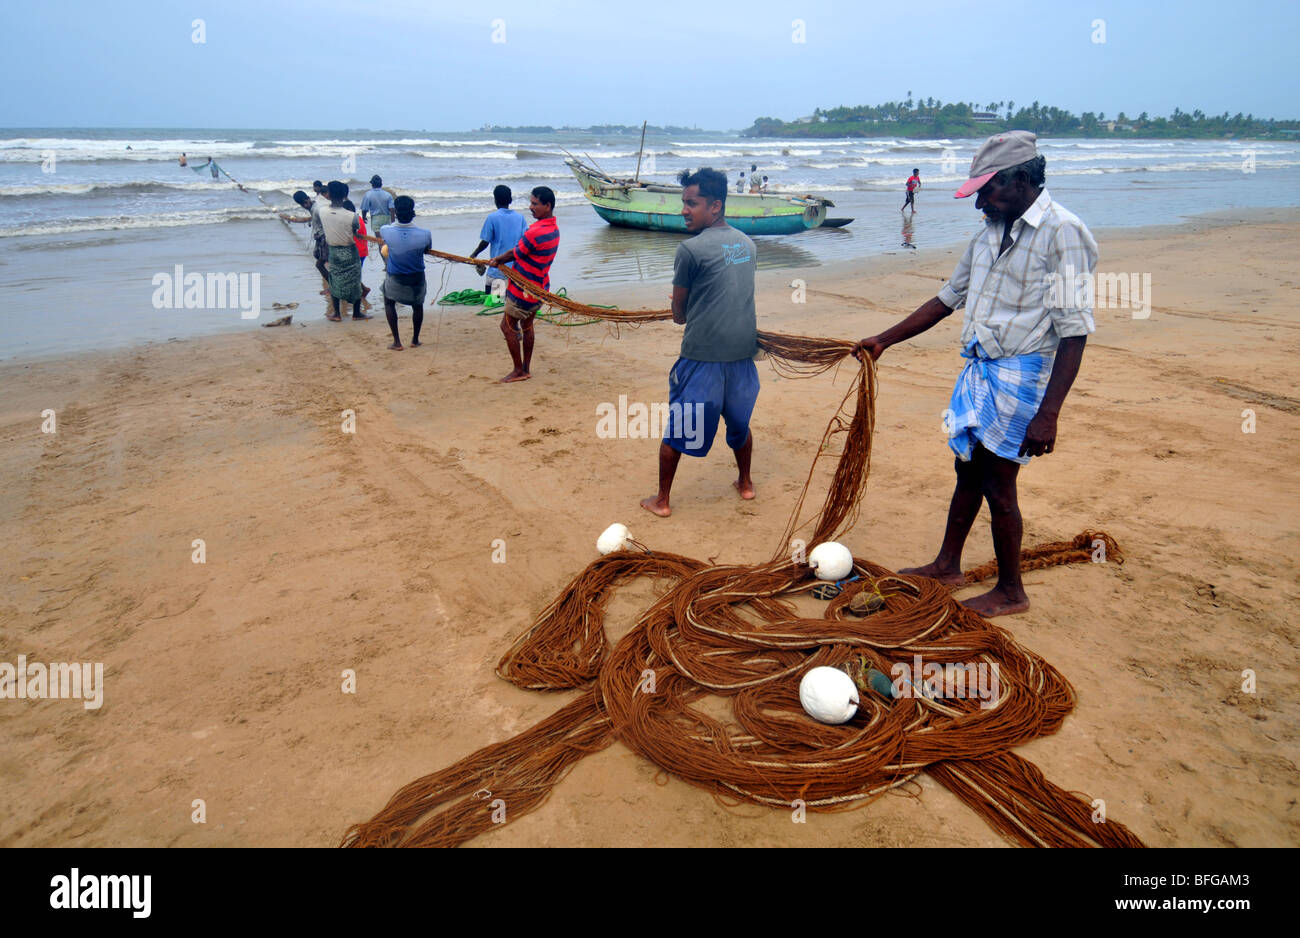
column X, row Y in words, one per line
column 913, row 183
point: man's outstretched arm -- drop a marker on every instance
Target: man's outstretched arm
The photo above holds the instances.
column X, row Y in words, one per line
column 930, row 313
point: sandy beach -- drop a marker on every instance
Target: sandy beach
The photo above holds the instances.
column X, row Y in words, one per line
column 374, row 551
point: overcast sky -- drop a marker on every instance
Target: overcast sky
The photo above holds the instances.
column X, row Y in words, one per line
column 436, row 66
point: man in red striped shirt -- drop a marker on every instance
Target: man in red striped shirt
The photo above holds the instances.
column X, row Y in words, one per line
column 532, row 258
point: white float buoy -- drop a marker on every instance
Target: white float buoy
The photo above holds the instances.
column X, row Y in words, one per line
column 828, row 695
column 615, row 537
column 831, row 561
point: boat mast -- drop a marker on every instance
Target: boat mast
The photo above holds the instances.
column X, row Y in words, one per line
column 639, row 151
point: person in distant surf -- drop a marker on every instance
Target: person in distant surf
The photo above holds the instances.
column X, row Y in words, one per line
column 406, row 245
column 212, row 166
column 913, row 183
column 740, row 185
column 763, row 187
column 340, row 227
column 715, row 377
column 1022, row 346
column 753, row 177
column 362, row 249
column 184, row 161
column 377, row 205
column 501, row 231
column 532, row 257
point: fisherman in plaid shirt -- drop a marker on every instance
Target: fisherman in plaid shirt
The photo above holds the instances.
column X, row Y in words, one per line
column 1022, row 351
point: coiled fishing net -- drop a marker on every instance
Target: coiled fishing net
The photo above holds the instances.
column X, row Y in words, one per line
column 735, row 631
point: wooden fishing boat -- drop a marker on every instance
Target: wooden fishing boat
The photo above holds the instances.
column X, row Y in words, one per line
column 631, row 203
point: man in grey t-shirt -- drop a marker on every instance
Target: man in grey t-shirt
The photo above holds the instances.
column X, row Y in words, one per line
column 715, row 377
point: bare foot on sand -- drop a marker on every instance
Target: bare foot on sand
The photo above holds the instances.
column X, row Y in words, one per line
column 945, row 575
column 656, row 505
column 746, row 489
column 995, row 603
column 395, row 347
column 415, row 343
column 516, row 375
column 362, row 316
column 334, row 318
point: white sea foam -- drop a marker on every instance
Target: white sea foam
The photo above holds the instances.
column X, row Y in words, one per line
column 124, row 222
column 104, row 188
column 473, row 155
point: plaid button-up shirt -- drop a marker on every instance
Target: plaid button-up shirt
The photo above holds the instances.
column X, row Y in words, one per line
column 1026, row 300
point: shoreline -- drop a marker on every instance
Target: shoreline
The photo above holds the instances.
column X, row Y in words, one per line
column 373, row 552
column 883, row 264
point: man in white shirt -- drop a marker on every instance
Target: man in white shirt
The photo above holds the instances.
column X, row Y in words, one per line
column 1023, row 351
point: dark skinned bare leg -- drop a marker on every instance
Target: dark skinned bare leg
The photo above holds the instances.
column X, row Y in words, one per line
column 417, row 320
column 390, row 312
column 744, row 484
column 511, row 332
column 965, row 505
column 668, row 460
column 527, row 329
column 1008, row 596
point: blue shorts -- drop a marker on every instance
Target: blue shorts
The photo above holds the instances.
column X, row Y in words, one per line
column 701, row 392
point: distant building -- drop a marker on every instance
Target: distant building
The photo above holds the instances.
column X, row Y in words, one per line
column 810, row 119
column 986, row 117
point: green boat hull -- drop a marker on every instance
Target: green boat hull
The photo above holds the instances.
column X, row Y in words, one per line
column 750, row 225
column 653, row 207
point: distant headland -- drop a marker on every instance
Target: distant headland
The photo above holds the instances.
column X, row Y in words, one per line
column 930, row 118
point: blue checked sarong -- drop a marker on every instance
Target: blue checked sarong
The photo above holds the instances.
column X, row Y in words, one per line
column 994, row 400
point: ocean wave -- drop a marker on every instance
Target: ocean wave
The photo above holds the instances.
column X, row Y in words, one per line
column 219, row 152
column 473, row 155
column 125, row 222
column 97, row 189
column 510, row 177
column 786, row 142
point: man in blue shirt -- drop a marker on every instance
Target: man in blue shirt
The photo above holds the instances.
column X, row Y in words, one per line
column 405, row 283
column 376, row 205
column 501, row 231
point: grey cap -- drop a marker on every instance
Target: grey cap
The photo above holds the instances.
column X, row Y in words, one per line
column 999, row 152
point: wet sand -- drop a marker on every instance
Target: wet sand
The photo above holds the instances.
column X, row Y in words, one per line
column 373, row 551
